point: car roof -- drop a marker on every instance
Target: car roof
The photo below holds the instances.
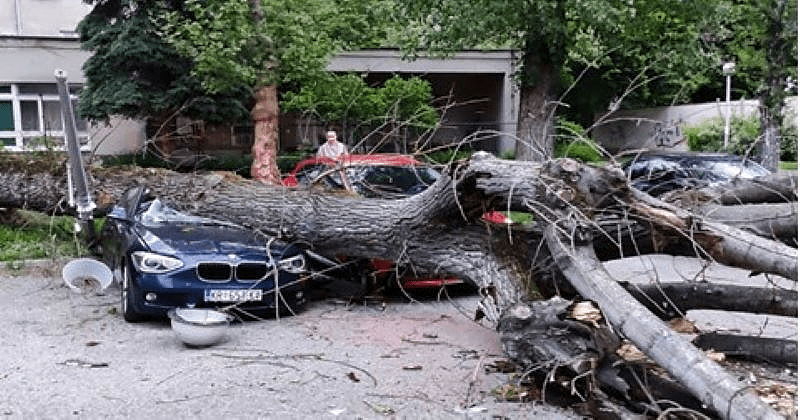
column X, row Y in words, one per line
column 688, row 155
column 373, row 159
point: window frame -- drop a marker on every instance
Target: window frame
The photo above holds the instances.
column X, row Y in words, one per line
column 20, row 136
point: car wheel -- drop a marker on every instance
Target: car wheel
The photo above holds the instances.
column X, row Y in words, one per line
column 126, row 297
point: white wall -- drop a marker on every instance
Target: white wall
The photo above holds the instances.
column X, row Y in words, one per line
column 661, row 127
column 41, row 17
column 119, row 136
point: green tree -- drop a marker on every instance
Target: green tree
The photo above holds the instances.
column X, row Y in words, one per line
column 760, row 36
column 633, row 49
column 347, row 101
column 243, row 50
column 135, row 73
column 779, row 46
column 267, row 44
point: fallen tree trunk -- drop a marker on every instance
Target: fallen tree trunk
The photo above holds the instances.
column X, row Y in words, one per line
column 779, row 187
column 759, row 349
column 672, row 300
column 439, row 231
column 773, row 221
column 707, row 380
column 720, row 242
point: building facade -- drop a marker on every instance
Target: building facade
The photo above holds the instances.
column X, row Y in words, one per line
column 474, row 91
column 38, row 37
column 33, row 45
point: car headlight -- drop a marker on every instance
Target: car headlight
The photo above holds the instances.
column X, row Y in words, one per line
column 148, row 262
column 294, row 264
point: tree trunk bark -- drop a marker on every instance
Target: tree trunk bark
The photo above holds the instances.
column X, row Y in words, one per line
column 780, row 187
column 265, row 143
column 537, row 112
column 770, row 146
column 772, row 221
column 724, row 244
column 759, row 349
column 672, row 300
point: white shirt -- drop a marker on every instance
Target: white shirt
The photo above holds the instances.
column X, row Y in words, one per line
column 332, row 149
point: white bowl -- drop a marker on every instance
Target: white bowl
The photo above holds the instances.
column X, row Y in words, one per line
column 199, row 327
column 86, row 274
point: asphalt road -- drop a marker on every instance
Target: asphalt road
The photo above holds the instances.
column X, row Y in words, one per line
column 69, row 355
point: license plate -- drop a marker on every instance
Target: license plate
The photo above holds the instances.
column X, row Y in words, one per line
column 233, row 295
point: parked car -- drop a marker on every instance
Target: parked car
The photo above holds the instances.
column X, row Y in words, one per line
column 373, row 176
column 165, row 259
column 388, row 176
column 658, row 172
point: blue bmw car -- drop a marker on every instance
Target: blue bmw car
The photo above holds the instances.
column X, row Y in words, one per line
column 164, row 259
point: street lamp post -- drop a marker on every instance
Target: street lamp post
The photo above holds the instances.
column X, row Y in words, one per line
column 728, row 69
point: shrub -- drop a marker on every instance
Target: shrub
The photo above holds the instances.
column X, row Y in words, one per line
column 789, row 136
column 571, row 142
column 709, row 135
column 234, row 163
column 31, row 235
column 145, row 160
column 240, row 164
column 448, row 155
column 288, row 160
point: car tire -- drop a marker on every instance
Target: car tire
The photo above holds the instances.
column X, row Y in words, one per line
column 293, row 306
column 126, row 297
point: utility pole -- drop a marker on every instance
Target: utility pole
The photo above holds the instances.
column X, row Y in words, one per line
column 727, row 69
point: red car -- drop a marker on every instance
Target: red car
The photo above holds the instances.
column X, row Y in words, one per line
column 376, row 176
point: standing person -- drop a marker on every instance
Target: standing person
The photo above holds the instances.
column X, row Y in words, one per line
column 332, row 148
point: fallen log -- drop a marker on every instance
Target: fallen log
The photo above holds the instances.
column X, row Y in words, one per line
column 672, row 300
column 439, row 230
column 780, row 187
column 725, row 244
column 758, row 349
column 704, row 378
column 776, row 221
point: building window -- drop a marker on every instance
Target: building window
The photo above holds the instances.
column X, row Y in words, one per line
column 243, row 136
column 6, row 116
column 30, row 117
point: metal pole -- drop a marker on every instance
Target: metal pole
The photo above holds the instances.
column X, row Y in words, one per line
column 83, row 199
column 728, row 69
column 727, row 110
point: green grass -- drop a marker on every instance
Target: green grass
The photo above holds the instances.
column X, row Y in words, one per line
column 27, row 235
column 519, row 217
column 788, row 166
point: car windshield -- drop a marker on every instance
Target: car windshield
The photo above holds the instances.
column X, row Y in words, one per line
column 311, row 174
column 390, row 181
column 649, row 167
column 706, row 168
column 156, row 213
column 724, row 170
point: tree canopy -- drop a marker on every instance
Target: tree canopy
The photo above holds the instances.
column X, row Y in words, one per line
column 349, row 102
column 204, row 57
column 609, row 54
column 134, row 72
column 288, row 42
column 578, row 57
